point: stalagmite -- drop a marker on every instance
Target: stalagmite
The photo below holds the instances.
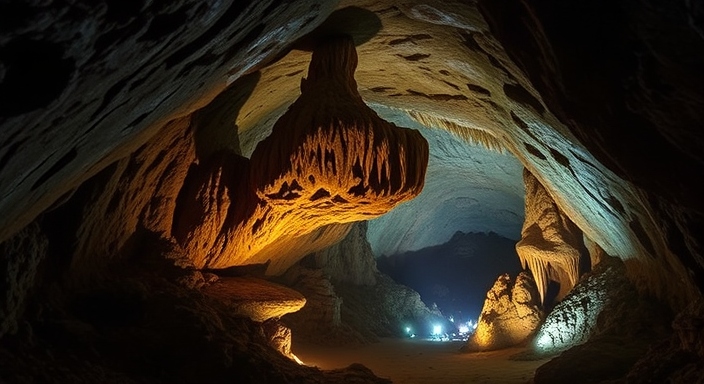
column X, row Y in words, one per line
column 511, row 314
column 551, row 243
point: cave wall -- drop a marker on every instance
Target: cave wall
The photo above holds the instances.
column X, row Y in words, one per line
column 630, row 90
column 86, row 84
column 126, row 80
column 457, row 76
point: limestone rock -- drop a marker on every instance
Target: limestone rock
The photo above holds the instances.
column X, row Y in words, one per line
column 511, row 314
column 606, row 330
column 278, row 336
column 349, row 261
column 257, row 299
column 329, row 160
column 689, row 328
column 551, row 244
column 348, row 300
column 208, row 204
column 573, row 320
column 321, row 316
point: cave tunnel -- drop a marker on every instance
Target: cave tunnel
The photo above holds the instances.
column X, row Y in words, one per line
column 219, row 192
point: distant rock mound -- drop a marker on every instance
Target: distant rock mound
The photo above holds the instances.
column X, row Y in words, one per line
column 511, row 314
column 455, row 275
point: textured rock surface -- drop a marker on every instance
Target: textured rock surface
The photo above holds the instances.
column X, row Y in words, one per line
column 329, row 160
column 254, row 298
column 20, row 257
column 645, row 98
column 349, row 261
column 468, row 188
column 98, row 102
column 617, row 328
column 352, row 302
column 511, row 314
column 320, row 318
column 278, row 336
column 551, row 244
column 463, row 82
column 574, row 319
column 86, row 84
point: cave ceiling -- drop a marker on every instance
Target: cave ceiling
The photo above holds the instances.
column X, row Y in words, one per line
column 111, row 81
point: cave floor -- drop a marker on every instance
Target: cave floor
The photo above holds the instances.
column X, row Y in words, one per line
column 415, row 361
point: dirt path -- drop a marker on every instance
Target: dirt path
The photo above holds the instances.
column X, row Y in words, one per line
column 412, row 361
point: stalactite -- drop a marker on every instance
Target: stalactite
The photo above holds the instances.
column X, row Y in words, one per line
column 469, row 134
column 329, row 160
column 550, row 244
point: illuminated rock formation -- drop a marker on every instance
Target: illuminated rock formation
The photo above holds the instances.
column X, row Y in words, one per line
column 574, row 319
column 99, row 110
column 551, row 244
column 257, row 299
column 329, row 160
column 349, row 261
column 279, row 337
column 510, row 315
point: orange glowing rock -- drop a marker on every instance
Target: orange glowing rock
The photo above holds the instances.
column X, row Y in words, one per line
column 510, row 315
column 257, row 299
column 330, row 160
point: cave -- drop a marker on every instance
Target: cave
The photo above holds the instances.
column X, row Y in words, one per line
column 199, row 191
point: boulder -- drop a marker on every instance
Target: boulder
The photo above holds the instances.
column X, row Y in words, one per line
column 510, row 315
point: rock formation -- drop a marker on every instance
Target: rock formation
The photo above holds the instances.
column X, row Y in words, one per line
column 350, row 261
column 320, row 319
column 124, row 128
column 511, row 314
column 573, row 320
column 604, row 330
column 254, row 298
column 551, row 244
column 23, row 253
column 348, row 300
column 279, row 337
column 329, row 160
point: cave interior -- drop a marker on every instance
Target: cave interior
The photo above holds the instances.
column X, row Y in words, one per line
column 188, row 189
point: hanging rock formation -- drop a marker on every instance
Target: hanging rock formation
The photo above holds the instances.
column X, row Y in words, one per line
column 550, row 242
column 511, row 314
column 329, row 160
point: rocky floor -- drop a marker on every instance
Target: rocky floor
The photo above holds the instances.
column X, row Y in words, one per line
column 137, row 327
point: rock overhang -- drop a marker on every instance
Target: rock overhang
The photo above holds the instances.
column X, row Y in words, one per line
column 454, row 74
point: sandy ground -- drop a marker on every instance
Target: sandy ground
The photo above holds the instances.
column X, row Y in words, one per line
column 413, row 361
